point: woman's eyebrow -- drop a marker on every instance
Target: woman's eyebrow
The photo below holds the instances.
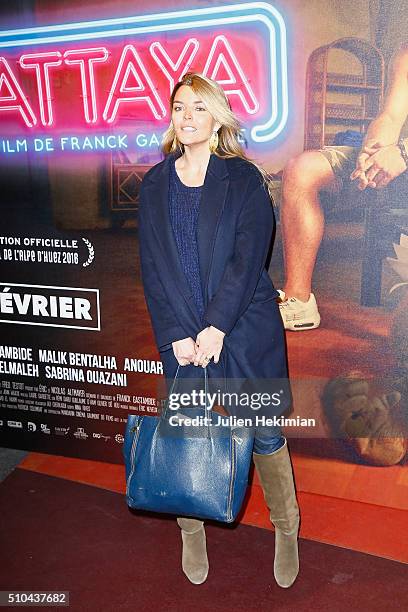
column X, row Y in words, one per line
column 195, row 102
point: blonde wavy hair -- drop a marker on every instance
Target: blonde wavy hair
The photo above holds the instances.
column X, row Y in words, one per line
column 212, row 94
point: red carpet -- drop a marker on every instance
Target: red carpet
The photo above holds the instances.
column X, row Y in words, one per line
column 61, row 535
column 353, row 506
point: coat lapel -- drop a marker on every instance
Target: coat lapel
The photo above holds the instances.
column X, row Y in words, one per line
column 211, row 206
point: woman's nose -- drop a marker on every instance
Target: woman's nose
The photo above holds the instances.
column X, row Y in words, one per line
column 187, row 114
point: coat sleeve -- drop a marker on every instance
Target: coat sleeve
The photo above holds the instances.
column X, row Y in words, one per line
column 254, row 231
column 166, row 326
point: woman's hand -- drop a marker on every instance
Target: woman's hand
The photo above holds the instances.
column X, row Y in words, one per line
column 209, row 342
column 184, row 350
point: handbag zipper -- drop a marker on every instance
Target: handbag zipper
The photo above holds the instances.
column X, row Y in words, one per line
column 136, row 429
column 232, row 479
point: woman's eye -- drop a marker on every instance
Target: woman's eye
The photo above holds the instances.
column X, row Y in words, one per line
column 197, row 108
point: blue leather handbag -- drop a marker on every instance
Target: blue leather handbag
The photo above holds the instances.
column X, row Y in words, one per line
column 198, row 470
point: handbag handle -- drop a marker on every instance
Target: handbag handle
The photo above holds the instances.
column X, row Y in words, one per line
column 173, row 385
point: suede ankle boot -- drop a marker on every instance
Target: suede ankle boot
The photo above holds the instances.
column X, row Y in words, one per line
column 194, row 556
column 276, row 477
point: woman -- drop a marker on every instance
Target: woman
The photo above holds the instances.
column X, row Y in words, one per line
column 205, row 226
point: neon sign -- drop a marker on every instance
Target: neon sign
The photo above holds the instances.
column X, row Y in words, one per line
column 100, row 73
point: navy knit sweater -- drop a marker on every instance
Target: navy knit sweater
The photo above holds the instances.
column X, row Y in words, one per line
column 184, row 206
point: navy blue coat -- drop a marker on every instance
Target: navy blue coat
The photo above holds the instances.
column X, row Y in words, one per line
column 235, row 227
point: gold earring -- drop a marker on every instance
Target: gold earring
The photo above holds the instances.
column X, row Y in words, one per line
column 176, row 145
column 213, row 142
